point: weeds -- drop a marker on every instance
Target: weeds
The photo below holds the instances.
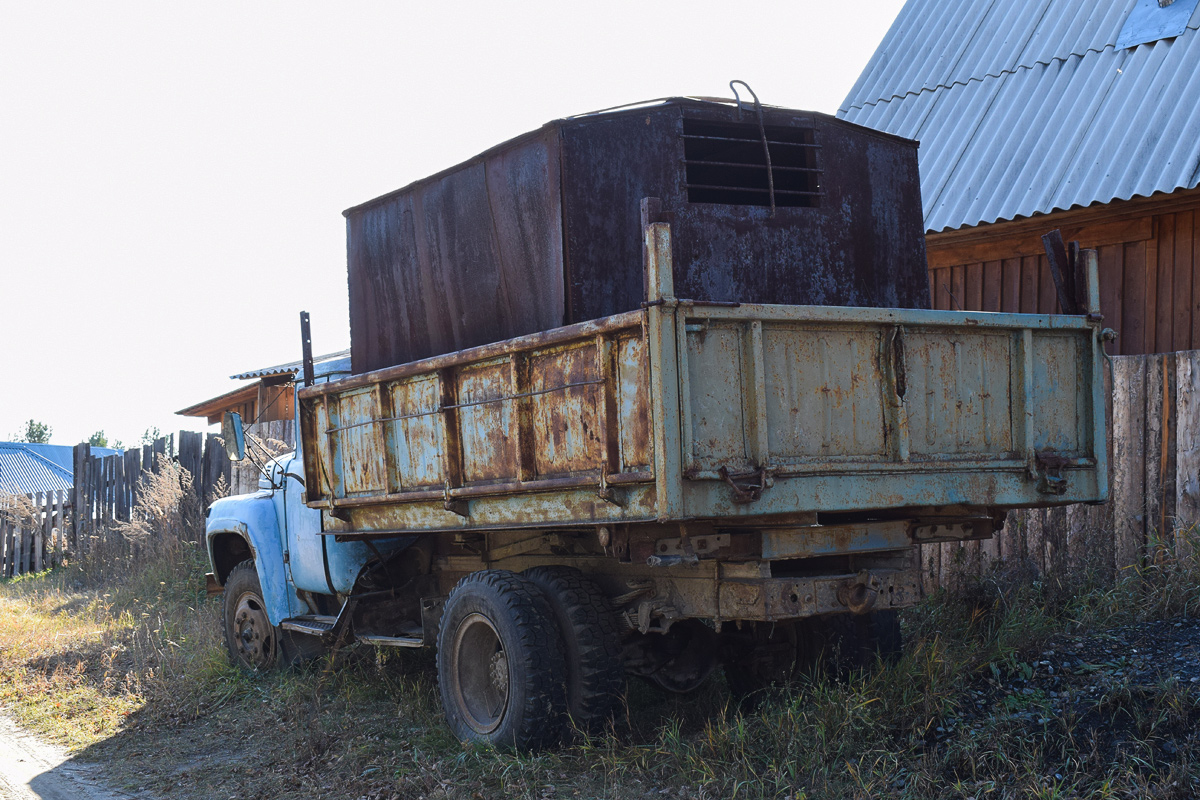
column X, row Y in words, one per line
column 1009, row 687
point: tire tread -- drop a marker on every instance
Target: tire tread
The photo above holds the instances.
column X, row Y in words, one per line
column 539, row 723
column 592, row 644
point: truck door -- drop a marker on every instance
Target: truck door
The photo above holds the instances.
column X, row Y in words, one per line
column 303, row 544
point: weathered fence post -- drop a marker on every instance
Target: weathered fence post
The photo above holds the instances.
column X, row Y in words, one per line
column 79, row 457
column 22, row 550
column 60, row 544
column 5, row 550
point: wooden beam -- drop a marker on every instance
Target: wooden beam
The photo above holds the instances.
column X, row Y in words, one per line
column 943, row 250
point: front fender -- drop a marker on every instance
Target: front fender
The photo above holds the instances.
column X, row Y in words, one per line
column 252, row 517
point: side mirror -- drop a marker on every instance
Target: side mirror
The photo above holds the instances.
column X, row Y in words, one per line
column 235, row 438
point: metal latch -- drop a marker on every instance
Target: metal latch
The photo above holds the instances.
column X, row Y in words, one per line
column 1049, row 473
column 605, row 492
column 457, row 505
column 747, row 491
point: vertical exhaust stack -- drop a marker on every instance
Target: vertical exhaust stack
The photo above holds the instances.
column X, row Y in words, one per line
column 306, row 348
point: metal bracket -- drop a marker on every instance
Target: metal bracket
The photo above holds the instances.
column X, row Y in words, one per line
column 747, row 492
column 859, row 594
column 457, row 505
column 1049, row 473
column 606, row 492
column 341, row 633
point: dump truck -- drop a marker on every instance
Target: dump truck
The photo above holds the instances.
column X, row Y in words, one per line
column 675, row 420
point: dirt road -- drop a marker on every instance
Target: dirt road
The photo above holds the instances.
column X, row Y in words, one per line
column 33, row 770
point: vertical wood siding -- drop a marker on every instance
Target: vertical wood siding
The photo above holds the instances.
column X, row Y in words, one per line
column 1149, row 288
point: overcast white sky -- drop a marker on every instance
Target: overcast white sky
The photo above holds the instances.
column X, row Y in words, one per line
column 172, row 175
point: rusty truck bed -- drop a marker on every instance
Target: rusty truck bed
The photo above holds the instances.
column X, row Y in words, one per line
column 726, row 412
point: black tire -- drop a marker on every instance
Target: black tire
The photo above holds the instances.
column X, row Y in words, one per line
column 251, row 640
column 591, row 642
column 500, row 662
column 841, row 644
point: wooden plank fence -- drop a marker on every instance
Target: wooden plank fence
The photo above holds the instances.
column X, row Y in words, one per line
column 1153, row 421
column 32, row 534
column 106, row 491
column 107, row 488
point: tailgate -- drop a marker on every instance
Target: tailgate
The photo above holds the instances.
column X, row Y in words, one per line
column 837, row 409
column 784, row 409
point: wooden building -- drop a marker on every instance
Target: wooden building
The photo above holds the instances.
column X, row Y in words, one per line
column 268, row 394
column 1149, row 268
column 1043, row 114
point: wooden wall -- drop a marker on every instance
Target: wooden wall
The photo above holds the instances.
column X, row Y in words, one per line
column 1149, row 268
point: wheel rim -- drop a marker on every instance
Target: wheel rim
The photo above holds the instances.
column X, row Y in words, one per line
column 253, row 634
column 481, row 673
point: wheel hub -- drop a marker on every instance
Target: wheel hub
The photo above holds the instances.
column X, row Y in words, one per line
column 480, row 673
column 253, row 631
column 499, row 671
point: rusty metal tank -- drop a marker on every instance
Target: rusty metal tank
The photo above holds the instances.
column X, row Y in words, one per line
column 544, row 230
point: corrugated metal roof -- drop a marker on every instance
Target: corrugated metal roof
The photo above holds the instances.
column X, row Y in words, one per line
column 1028, row 107
column 23, row 471
column 322, row 366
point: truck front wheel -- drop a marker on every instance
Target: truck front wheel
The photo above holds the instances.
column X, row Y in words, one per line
column 251, row 639
column 500, row 662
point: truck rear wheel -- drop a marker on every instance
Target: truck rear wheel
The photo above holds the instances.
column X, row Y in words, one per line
column 500, row 662
column 769, row 656
column 592, row 644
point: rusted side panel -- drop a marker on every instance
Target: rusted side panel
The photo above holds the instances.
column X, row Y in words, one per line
column 637, row 449
column 361, row 467
column 1060, row 394
column 566, row 421
column 959, row 400
column 485, row 418
column 417, row 438
column 823, row 393
column 715, row 369
column 436, row 439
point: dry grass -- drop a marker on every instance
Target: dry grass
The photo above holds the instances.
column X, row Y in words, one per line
column 86, row 645
column 126, row 666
